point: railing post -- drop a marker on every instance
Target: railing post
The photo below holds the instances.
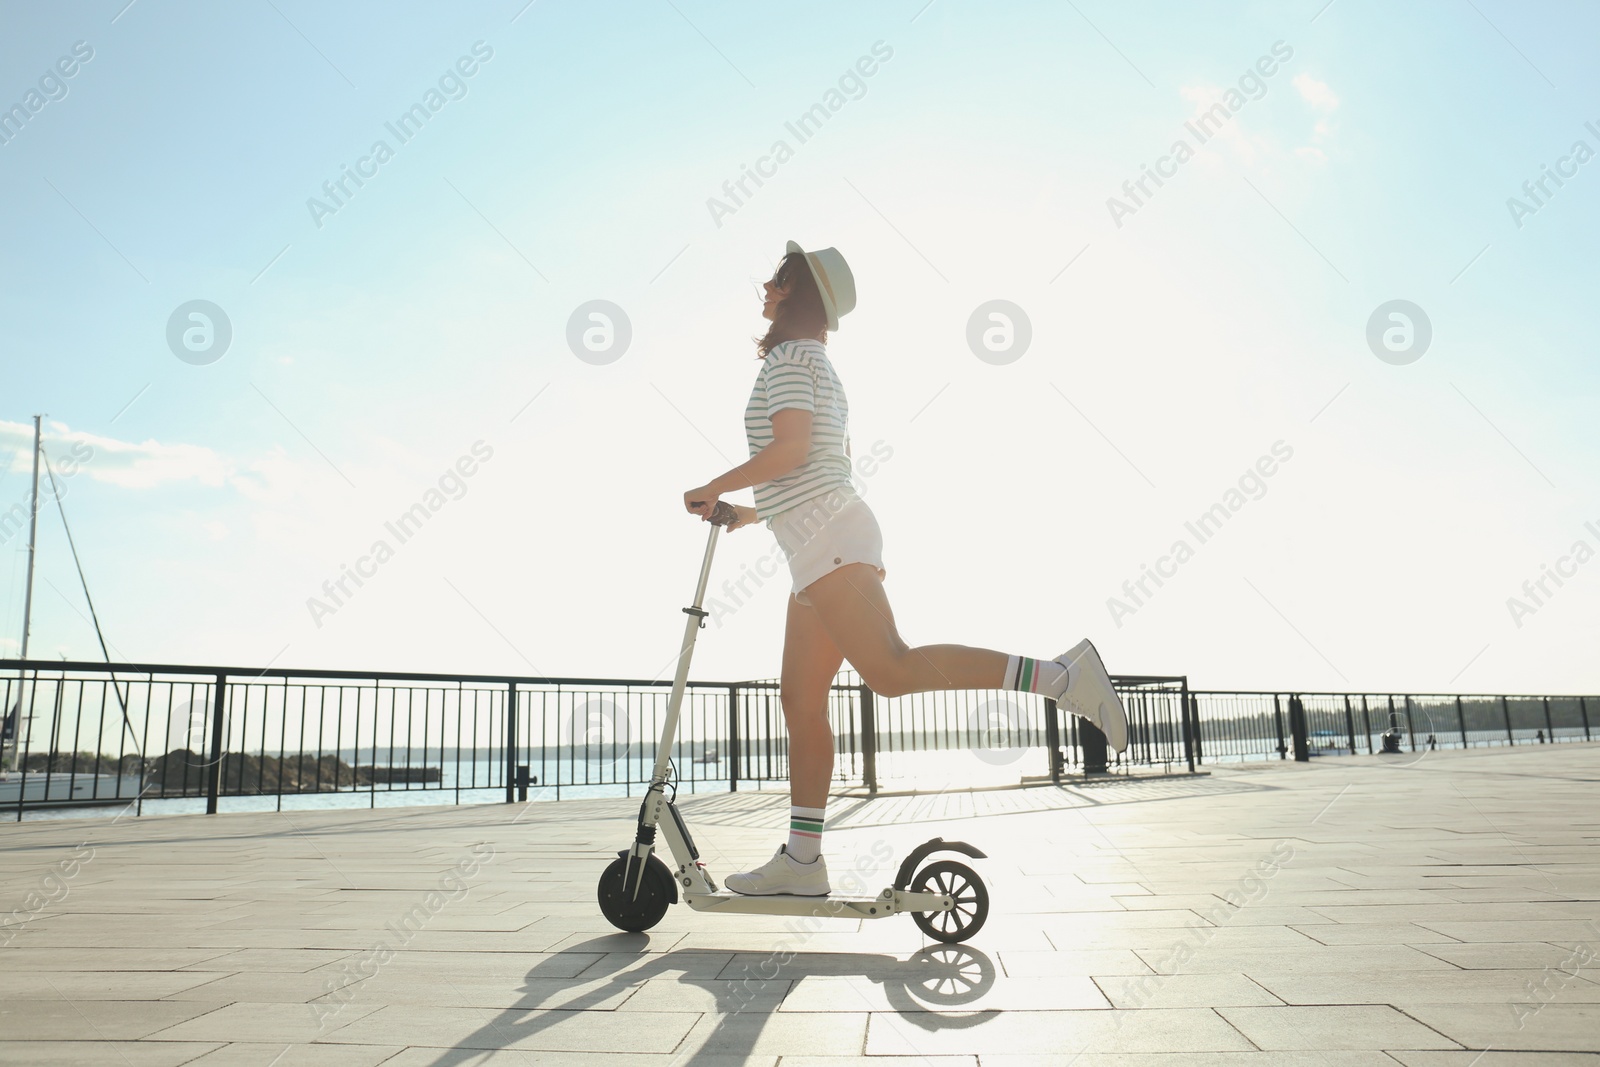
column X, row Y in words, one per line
column 1298, row 729
column 1188, row 732
column 214, row 767
column 511, row 743
column 1549, row 728
column 869, row 740
column 22, row 741
column 1505, row 711
column 1199, row 736
column 1461, row 718
column 1366, row 720
column 1350, row 723
column 1411, row 731
column 1583, row 707
column 733, row 739
column 1277, row 719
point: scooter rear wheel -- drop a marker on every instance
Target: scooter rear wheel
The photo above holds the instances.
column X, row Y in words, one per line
column 627, row 911
column 947, row 878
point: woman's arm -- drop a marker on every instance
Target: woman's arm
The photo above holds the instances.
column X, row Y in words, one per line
column 791, row 442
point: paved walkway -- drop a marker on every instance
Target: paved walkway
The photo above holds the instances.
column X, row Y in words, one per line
column 1346, row 912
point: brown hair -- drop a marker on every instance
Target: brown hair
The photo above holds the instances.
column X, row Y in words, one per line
column 799, row 314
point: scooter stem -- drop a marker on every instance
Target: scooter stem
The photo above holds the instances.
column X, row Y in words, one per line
column 721, row 516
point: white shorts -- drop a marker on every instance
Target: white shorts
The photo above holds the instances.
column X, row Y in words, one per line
column 825, row 533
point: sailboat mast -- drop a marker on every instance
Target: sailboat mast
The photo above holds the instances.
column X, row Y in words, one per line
column 33, row 536
column 11, row 719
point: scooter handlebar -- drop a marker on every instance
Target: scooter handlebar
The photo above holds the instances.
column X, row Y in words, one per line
column 723, row 514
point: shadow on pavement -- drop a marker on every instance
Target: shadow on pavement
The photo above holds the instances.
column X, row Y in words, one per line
column 923, row 990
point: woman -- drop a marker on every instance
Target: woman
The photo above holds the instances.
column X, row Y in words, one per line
column 797, row 425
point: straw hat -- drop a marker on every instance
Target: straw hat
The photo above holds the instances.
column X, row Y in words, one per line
column 834, row 281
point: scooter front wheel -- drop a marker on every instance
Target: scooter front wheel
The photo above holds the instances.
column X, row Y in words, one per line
column 947, row 878
column 635, row 912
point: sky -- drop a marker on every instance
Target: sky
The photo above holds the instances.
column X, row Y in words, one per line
column 1388, row 483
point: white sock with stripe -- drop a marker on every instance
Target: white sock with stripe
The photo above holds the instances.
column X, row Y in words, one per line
column 805, row 833
column 1043, row 676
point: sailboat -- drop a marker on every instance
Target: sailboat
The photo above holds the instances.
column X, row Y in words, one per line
column 19, row 783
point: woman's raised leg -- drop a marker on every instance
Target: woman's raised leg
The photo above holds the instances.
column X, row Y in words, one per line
column 854, row 609
column 851, row 605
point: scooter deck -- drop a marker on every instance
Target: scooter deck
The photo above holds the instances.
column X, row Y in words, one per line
column 841, row 906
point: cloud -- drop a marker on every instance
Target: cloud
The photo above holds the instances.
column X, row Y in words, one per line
column 147, row 464
column 1245, row 145
column 1316, row 93
column 1323, row 99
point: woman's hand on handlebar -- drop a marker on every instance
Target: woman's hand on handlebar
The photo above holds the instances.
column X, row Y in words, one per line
column 701, row 501
column 704, row 502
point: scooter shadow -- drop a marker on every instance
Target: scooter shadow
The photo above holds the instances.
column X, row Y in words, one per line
column 923, row 991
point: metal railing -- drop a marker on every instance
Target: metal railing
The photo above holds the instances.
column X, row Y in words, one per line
column 186, row 737
column 180, row 737
column 1283, row 725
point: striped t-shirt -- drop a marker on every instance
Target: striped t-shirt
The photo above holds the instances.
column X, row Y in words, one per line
column 797, row 374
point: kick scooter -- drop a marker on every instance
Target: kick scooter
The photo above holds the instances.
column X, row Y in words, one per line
column 946, row 898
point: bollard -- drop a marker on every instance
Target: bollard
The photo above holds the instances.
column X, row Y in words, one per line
column 522, row 782
column 1052, row 739
column 1297, row 730
column 1094, row 747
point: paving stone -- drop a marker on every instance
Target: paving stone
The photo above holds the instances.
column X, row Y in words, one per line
column 255, row 1021
column 774, row 1033
column 105, row 1020
column 282, row 1054
column 65, row 1053
column 259, row 960
column 1062, row 1034
column 1183, row 991
column 1343, row 1027
column 77, row 986
column 879, row 1061
column 433, row 1057
column 1051, row 964
column 712, row 995
column 1083, row 937
column 1314, row 959
column 1555, row 1027
column 1390, row 933
column 943, row 994
column 1331, row 1058
column 1564, row 930
column 1502, row 955
column 1425, row 987
column 1497, row 1058
column 545, row 1030
column 106, row 958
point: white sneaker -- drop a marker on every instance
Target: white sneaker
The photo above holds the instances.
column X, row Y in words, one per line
column 1091, row 695
column 782, row 874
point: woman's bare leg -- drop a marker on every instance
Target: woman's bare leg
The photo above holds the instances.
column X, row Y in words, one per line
column 853, row 609
column 810, row 662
